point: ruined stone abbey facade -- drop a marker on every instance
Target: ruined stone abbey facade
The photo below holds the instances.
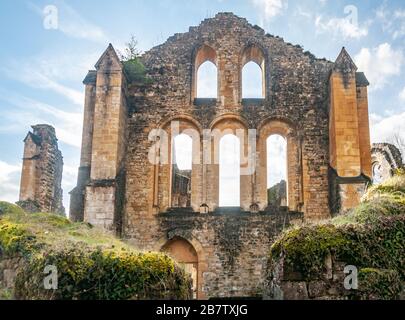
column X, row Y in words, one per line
column 127, row 184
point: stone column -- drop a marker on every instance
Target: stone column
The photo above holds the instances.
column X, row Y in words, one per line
column 83, row 178
column 108, row 143
column 345, row 130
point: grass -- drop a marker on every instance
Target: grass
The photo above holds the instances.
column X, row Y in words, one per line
column 92, row 263
column 50, row 230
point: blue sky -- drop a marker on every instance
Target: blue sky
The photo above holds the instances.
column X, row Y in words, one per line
column 42, row 69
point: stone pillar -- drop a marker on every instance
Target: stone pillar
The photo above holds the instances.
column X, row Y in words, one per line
column 108, row 143
column 364, row 124
column 346, row 133
column 41, row 177
column 28, row 174
column 77, row 194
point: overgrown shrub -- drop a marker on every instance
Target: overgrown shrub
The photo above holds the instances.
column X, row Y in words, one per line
column 9, row 208
column 379, row 284
column 86, row 274
column 371, row 237
column 379, row 245
column 91, row 263
column 136, row 71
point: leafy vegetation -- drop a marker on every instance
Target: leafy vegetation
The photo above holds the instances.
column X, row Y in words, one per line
column 371, row 237
column 133, row 67
column 91, row 263
column 380, row 283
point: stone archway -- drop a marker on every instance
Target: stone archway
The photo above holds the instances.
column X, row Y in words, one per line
column 285, row 129
column 184, row 253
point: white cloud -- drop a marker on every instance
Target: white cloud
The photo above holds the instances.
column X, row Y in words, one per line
column 276, row 160
column 270, row 8
column 68, row 125
column 9, row 181
column 390, row 129
column 379, row 64
column 47, row 73
column 402, row 94
column 72, row 24
column 385, row 129
column 341, row 27
column 393, row 22
column 207, row 83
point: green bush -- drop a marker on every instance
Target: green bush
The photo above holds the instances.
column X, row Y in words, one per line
column 371, row 237
column 135, row 71
column 305, row 249
column 379, row 245
column 9, row 208
column 85, row 274
column 91, row 263
column 379, row 284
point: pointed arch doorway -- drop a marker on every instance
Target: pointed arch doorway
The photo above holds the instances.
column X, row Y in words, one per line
column 184, row 253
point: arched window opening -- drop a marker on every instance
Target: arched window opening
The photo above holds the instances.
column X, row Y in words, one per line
column 253, row 73
column 277, row 171
column 252, row 81
column 205, row 73
column 207, row 81
column 229, row 171
column 182, row 163
column 378, row 174
column 184, row 253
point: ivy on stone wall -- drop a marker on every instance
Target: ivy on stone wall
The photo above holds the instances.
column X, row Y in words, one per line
column 371, row 237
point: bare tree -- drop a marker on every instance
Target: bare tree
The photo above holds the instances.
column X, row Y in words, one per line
column 398, row 141
column 131, row 51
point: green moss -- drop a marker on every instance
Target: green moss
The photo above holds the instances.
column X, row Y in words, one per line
column 379, row 245
column 381, row 284
column 5, row 294
column 136, row 71
column 306, row 248
column 9, row 208
column 370, row 211
column 91, row 263
column 371, row 236
column 14, row 239
column 104, row 274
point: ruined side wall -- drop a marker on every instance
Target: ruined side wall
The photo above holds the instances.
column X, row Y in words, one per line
column 386, row 158
column 42, row 172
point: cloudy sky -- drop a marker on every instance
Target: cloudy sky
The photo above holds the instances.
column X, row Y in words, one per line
column 42, row 67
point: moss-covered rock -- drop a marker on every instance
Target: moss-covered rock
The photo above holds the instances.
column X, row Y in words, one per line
column 87, row 274
column 379, row 284
column 371, row 237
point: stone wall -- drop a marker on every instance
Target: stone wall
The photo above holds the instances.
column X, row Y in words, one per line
column 386, row 158
column 295, row 105
column 285, row 284
column 41, row 175
column 126, row 179
column 231, row 246
column 8, row 271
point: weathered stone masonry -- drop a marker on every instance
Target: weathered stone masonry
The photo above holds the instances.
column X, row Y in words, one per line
column 41, row 177
column 385, row 159
column 320, row 107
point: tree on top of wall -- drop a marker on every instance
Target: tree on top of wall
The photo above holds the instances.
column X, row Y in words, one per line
column 133, row 67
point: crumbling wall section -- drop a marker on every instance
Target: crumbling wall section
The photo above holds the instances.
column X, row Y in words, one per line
column 41, row 176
